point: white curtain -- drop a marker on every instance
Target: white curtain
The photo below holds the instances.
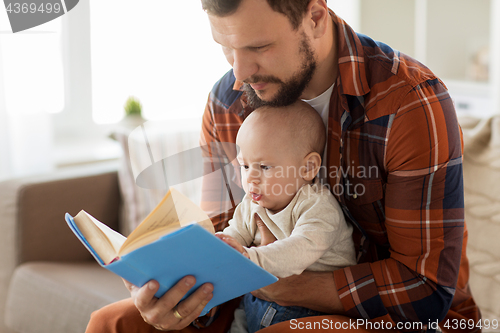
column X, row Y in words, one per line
column 31, row 88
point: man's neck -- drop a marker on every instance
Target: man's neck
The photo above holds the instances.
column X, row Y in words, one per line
column 327, row 65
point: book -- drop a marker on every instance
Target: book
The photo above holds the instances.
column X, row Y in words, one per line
column 176, row 239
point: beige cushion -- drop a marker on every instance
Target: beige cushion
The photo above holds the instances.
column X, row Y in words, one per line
column 59, row 297
column 482, row 210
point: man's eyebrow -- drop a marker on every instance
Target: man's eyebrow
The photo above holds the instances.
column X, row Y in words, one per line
column 251, row 46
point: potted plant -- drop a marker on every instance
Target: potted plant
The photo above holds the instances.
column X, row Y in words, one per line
column 133, row 113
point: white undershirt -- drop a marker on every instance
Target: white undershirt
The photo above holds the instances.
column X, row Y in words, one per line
column 322, row 105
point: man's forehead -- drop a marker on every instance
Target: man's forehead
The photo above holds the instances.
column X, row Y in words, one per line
column 253, row 22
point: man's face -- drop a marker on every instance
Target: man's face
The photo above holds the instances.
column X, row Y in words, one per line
column 274, row 61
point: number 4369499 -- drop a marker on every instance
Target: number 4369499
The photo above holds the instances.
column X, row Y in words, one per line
column 456, row 324
column 26, row 8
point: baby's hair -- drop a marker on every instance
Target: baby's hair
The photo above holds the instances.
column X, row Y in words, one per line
column 303, row 125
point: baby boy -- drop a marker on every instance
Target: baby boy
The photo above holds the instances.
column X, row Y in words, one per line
column 280, row 156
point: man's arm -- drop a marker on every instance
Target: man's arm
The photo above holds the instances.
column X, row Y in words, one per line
column 423, row 217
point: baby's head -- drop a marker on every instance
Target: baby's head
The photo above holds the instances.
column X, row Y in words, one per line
column 280, row 151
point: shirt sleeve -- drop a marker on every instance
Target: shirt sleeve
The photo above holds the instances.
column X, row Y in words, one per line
column 424, row 217
column 318, row 227
column 221, row 190
column 239, row 227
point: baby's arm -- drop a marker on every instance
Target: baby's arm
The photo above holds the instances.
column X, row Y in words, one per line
column 319, row 226
column 238, row 228
column 267, row 237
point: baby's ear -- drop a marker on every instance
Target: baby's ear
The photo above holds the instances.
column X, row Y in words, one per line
column 312, row 163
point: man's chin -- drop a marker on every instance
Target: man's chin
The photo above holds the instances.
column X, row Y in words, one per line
column 258, row 98
column 266, row 95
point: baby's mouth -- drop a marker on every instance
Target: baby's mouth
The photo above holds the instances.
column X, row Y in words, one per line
column 255, row 196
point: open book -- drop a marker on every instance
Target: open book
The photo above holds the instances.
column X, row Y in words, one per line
column 176, row 239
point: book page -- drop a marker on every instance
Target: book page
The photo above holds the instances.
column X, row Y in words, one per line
column 156, row 224
column 188, row 212
column 104, row 240
column 173, row 212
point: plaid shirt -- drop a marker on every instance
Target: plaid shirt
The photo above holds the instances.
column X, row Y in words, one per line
column 394, row 162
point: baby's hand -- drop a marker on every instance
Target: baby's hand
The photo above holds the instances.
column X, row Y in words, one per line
column 233, row 243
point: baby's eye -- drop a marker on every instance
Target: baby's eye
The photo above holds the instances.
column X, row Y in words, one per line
column 244, row 166
column 265, row 167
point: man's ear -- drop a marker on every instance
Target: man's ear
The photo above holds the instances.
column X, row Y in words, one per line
column 317, row 16
column 311, row 165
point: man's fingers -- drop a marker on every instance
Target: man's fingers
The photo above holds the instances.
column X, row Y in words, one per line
column 131, row 287
column 190, row 308
column 267, row 236
column 145, row 296
column 176, row 293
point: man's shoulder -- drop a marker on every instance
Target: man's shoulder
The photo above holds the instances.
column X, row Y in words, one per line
column 389, row 63
column 223, row 93
column 391, row 77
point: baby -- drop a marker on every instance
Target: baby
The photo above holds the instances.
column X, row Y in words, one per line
column 280, row 156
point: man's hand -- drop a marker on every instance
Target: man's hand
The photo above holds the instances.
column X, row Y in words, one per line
column 313, row 290
column 168, row 312
column 266, row 236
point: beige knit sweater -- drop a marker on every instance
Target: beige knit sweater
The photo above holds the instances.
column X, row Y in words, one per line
column 311, row 233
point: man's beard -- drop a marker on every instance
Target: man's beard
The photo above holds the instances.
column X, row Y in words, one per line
column 289, row 91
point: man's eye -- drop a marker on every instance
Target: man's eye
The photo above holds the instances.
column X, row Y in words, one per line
column 260, row 48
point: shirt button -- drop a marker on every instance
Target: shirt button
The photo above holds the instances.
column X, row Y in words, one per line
column 354, row 196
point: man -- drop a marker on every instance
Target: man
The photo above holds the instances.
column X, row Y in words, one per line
column 393, row 160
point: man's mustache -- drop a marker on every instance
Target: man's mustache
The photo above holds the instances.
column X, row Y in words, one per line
column 262, row 79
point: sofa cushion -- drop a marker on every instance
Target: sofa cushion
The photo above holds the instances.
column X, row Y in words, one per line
column 482, row 210
column 59, row 297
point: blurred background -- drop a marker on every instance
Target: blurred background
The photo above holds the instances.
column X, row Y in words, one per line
column 63, row 85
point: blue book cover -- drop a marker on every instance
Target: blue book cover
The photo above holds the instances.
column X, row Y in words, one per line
column 190, row 250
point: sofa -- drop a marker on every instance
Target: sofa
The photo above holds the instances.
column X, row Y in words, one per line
column 49, row 282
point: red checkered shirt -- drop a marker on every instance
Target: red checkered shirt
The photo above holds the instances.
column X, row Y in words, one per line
column 394, row 162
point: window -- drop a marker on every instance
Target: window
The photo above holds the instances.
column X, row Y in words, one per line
column 32, row 68
column 161, row 52
column 32, row 87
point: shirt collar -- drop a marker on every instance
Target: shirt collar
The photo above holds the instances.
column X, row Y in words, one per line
column 350, row 59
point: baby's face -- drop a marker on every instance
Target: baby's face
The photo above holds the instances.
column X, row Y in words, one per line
column 270, row 167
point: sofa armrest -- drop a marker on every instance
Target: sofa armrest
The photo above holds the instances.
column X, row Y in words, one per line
column 32, row 225
column 32, row 212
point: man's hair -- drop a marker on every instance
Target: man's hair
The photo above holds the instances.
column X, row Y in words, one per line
column 293, row 9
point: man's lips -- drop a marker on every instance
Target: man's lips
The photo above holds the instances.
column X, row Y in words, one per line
column 258, row 86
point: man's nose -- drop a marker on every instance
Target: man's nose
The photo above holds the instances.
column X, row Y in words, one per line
column 244, row 66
